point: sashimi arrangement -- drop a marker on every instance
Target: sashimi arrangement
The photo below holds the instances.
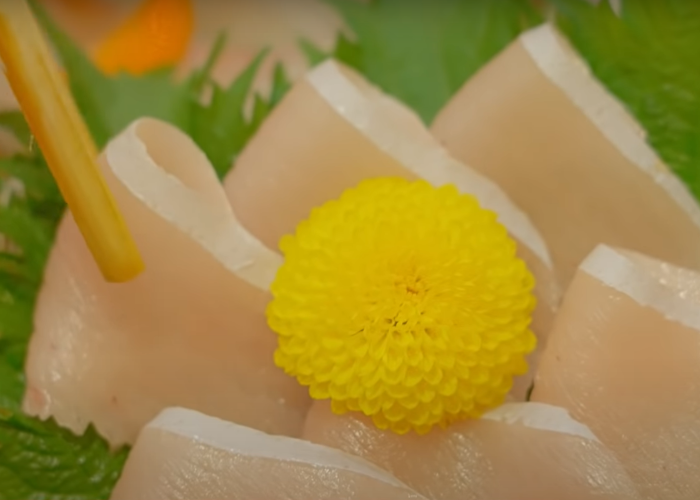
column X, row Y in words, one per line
column 326, row 297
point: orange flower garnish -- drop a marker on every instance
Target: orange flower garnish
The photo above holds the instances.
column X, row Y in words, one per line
column 155, row 36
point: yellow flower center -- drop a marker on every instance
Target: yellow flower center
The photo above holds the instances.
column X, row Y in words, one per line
column 405, row 302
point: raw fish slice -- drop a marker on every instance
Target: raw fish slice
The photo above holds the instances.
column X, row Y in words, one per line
column 331, row 131
column 536, row 122
column 190, row 330
column 184, row 455
column 624, row 358
column 520, row 451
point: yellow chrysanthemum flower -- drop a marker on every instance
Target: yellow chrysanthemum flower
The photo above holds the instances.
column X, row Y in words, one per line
column 405, row 302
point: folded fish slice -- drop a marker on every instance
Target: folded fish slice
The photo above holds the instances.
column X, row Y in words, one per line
column 524, row 451
column 537, row 122
column 183, row 455
column 191, row 330
column 332, row 131
column 624, row 358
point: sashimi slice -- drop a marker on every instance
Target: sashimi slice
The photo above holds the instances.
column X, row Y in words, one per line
column 520, row 451
column 331, row 131
column 190, row 330
column 624, row 358
column 185, row 455
column 535, row 121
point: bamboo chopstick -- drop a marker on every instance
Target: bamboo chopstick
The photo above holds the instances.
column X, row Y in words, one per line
column 65, row 141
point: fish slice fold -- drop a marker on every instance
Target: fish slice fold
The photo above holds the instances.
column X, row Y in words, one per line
column 191, row 330
column 183, row 454
column 624, row 359
column 538, row 123
column 524, row 451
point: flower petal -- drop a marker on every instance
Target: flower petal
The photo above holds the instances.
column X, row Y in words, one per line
column 156, row 35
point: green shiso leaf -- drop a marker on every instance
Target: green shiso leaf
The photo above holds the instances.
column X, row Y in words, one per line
column 648, row 58
column 423, row 52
